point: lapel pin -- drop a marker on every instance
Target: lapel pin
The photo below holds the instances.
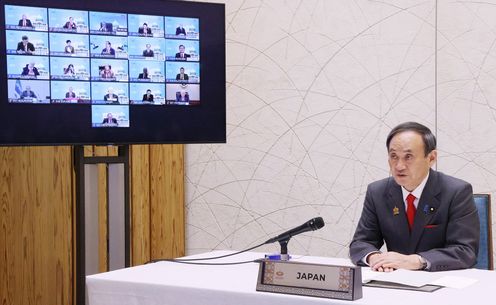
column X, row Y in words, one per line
column 428, row 209
column 396, row 211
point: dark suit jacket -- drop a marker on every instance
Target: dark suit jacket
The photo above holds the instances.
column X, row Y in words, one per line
column 106, row 121
column 28, row 23
column 20, row 47
column 178, row 55
column 147, row 99
column 25, row 71
column 148, row 53
column 141, row 30
column 109, row 52
column 178, row 76
column 70, row 95
column 445, row 231
column 69, row 25
column 113, row 99
column 180, row 31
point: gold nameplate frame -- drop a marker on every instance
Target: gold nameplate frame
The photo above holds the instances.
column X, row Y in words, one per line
column 316, row 280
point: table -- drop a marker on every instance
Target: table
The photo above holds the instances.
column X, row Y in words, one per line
column 168, row 283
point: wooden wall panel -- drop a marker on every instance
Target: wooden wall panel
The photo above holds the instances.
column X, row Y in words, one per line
column 140, row 204
column 167, row 201
column 37, row 216
column 36, row 225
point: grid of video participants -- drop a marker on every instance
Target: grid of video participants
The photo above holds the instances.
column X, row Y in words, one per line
column 109, row 61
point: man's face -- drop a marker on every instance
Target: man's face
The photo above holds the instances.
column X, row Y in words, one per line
column 407, row 160
column 181, row 49
column 181, row 70
column 25, row 41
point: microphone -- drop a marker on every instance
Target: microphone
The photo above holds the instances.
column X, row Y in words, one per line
column 311, row 225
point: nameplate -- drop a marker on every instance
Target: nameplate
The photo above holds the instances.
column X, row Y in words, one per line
column 316, row 280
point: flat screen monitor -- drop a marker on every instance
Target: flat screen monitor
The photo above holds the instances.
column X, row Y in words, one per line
column 112, row 72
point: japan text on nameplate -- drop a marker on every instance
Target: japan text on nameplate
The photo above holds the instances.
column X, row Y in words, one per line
column 326, row 281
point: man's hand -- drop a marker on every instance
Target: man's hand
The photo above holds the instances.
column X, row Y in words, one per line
column 390, row 261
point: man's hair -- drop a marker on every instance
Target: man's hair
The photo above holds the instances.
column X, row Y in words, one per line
column 24, row 37
column 426, row 134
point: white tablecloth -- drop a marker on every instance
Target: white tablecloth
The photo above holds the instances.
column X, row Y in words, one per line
column 167, row 283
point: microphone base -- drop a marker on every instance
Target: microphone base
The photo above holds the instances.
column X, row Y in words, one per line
column 278, row 257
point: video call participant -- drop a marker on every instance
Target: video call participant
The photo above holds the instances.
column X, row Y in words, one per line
column 111, row 97
column 148, row 52
column 25, row 22
column 105, row 27
column 181, row 53
column 106, row 72
column 70, row 24
column 181, row 75
column 109, row 120
column 69, row 70
column 182, row 97
column 427, row 219
column 108, row 50
column 180, row 30
column 30, row 70
column 144, row 75
column 145, row 30
column 27, row 94
column 24, row 46
column 68, row 47
column 148, row 96
column 70, row 95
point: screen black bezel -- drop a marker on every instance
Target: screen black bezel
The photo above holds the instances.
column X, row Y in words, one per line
column 67, row 124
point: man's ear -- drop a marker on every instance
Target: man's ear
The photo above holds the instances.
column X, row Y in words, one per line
column 432, row 157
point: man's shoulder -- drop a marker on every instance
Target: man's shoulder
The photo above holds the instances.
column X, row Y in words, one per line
column 382, row 183
column 449, row 181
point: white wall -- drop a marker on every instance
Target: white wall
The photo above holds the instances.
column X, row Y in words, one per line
column 313, row 88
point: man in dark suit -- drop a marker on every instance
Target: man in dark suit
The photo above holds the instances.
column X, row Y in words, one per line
column 181, row 75
column 145, row 30
column 70, row 24
column 180, row 30
column 109, row 119
column 24, row 46
column 428, row 220
column 111, row 97
column 148, row 96
column 144, row 75
column 182, row 54
column 108, row 50
column 28, row 94
column 148, row 52
column 25, row 22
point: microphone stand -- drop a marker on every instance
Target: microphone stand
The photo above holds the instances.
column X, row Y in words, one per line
column 284, row 249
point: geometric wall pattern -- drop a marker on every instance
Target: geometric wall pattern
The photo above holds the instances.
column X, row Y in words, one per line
column 313, row 88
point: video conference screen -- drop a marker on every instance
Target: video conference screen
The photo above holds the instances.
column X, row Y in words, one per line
column 109, row 61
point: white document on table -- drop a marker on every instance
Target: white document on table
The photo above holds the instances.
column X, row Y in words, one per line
column 417, row 278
